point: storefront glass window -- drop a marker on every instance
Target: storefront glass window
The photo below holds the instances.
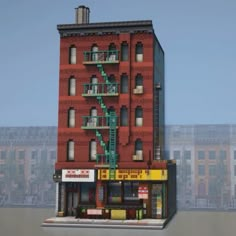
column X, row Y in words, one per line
column 131, row 191
column 114, row 194
column 87, row 193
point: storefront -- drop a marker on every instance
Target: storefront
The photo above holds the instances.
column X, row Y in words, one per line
column 77, row 187
column 138, row 193
column 134, row 194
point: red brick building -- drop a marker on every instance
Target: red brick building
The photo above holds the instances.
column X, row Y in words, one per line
column 111, row 122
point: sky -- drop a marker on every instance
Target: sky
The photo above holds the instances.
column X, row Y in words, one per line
column 198, row 37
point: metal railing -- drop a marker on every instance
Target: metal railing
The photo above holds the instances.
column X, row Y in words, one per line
column 93, row 89
column 108, row 56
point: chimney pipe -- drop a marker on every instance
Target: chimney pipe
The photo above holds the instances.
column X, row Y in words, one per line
column 82, row 15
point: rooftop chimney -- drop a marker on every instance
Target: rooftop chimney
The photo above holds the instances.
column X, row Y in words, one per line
column 82, row 15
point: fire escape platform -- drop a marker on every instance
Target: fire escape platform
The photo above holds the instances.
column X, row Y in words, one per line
column 96, row 127
column 100, row 62
column 101, row 94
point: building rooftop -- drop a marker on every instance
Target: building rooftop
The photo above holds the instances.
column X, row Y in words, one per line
column 106, row 28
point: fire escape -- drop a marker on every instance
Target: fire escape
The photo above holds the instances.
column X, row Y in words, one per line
column 109, row 156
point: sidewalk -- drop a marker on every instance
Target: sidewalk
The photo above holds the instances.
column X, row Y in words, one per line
column 104, row 223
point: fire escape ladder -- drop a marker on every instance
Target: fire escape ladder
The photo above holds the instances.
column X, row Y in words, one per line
column 112, row 120
column 112, row 145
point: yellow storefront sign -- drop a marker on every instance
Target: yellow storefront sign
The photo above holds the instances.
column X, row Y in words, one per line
column 134, row 174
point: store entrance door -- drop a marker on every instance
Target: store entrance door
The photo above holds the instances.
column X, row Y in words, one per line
column 72, row 203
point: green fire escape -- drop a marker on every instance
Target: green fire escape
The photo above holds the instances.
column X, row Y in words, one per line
column 109, row 120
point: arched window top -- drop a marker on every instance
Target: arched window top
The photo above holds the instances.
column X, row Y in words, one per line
column 71, row 109
column 93, row 108
column 139, row 75
column 94, row 47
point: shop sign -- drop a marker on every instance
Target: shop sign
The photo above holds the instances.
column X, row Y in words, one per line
column 134, row 174
column 77, row 175
column 143, row 192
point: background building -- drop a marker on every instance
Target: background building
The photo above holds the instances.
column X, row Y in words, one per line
column 27, row 157
column 179, row 138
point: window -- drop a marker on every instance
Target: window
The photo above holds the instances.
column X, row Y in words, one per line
column 139, row 52
column 235, row 191
column 124, row 51
column 176, row 155
column 222, row 155
column 3, row 155
column 139, row 148
column 72, row 55
column 92, row 150
column 94, row 52
column 112, row 48
column 21, row 155
column 139, row 116
column 12, row 154
column 87, row 193
column 201, row 170
column 188, row 169
column 71, row 117
column 21, row 169
column 70, row 150
column 72, row 86
column 112, row 52
column 234, row 154
column 114, row 192
column 212, row 155
column 234, row 170
column 201, row 189
column 212, row 170
column 123, row 116
column 93, row 119
column 187, row 155
column 44, row 155
column 94, row 81
column 34, row 155
column 124, row 83
column 201, row 155
column 138, row 80
column 131, row 191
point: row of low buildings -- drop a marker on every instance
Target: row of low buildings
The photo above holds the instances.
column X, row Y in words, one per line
column 206, row 164
column 27, row 157
column 205, row 157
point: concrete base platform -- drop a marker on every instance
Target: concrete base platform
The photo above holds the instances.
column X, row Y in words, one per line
column 72, row 222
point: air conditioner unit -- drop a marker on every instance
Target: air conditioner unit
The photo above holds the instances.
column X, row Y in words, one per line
column 138, row 90
column 139, row 57
column 139, row 122
column 138, row 157
column 112, row 57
